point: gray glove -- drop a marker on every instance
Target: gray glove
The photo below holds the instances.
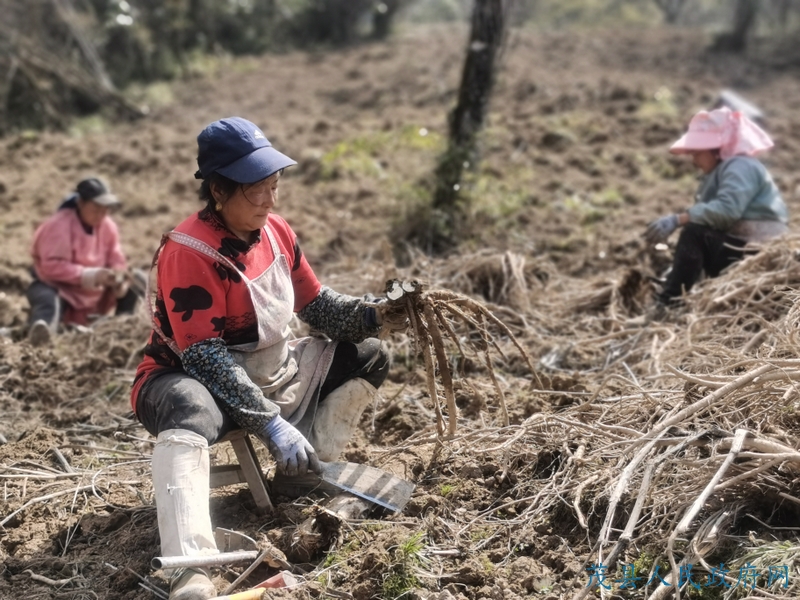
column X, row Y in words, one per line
column 660, row 229
column 291, row 451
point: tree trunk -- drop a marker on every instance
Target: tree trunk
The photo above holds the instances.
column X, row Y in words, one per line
column 744, row 18
column 467, row 118
column 382, row 16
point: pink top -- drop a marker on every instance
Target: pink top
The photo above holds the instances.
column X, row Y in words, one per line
column 63, row 251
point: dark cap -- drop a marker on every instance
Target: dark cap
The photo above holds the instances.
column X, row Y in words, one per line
column 96, row 190
column 237, row 149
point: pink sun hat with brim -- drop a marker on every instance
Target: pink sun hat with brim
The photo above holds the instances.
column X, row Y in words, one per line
column 730, row 131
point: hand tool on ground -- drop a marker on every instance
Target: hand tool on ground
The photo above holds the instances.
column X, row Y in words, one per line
column 234, row 547
column 203, row 560
column 371, row 483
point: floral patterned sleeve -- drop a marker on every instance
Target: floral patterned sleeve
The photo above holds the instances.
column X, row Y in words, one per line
column 341, row 317
column 212, row 365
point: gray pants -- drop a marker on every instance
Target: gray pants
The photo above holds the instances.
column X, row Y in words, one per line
column 48, row 306
column 171, row 399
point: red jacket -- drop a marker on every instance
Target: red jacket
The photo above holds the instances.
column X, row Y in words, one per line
column 199, row 299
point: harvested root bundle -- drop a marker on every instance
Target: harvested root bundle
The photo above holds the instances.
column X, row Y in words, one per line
column 628, row 295
column 434, row 316
column 497, row 277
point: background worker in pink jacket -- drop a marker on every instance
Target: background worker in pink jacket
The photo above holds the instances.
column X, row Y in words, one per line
column 79, row 269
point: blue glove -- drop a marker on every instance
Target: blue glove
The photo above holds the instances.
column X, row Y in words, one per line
column 660, row 229
column 291, row 451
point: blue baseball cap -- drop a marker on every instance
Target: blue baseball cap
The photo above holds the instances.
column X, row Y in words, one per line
column 237, row 149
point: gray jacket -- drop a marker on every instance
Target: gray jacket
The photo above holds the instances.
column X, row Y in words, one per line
column 740, row 197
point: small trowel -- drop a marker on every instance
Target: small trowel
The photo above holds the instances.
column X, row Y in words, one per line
column 371, row 483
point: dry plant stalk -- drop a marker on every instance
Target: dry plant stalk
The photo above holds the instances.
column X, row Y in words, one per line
column 433, row 317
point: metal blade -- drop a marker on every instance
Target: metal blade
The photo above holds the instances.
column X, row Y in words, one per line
column 370, row 483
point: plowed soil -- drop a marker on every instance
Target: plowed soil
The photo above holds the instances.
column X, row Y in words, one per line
column 575, row 164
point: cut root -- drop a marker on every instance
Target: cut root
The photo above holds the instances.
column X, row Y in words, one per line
column 439, row 318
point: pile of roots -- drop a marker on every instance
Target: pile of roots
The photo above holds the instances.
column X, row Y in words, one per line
column 681, row 458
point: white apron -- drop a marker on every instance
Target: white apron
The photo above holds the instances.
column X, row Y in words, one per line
column 289, row 370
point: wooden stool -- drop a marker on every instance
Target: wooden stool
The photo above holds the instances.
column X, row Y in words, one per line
column 248, row 470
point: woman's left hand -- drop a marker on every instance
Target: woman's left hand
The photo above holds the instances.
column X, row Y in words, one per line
column 660, row 229
column 391, row 318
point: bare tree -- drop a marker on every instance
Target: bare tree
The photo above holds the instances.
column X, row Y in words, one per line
column 745, row 13
column 49, row 67
column 383, row 14
column 467, row 118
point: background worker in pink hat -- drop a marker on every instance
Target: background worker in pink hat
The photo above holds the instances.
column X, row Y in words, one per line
column 737, row 201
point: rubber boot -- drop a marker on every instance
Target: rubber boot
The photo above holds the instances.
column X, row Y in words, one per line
column 337, row 417
column 191, row 584
column 180, row 468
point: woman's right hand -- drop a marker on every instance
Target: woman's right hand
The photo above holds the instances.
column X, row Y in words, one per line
column 292, row 452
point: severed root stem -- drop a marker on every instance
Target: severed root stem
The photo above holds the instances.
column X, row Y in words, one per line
column 52, row 582
column 432, row 317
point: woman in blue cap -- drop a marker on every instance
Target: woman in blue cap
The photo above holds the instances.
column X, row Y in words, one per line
column 221, row 356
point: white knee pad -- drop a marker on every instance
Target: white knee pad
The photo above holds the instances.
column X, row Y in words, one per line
column 180, row 468
column 337, row 417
